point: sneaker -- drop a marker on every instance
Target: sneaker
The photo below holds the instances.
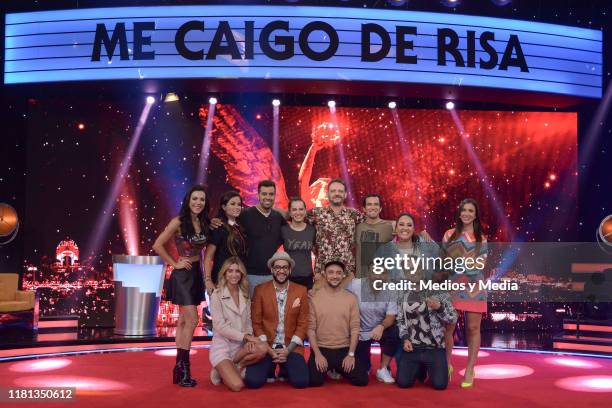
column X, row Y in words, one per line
column 384, row 375
column 334, row 375
column 270, row 380
column 281, row 378
column 215, row 379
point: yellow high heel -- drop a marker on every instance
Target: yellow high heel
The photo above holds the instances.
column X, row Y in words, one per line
column 468, row 384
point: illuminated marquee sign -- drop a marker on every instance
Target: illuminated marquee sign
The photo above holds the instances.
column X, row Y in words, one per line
column 285, row 42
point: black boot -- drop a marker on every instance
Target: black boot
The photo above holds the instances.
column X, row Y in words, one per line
column 188, row 368
column 181, row 373
column 181, row 376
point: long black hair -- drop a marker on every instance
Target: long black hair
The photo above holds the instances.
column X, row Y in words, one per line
column 459, row 224
column 236, row 242
column 187, row 229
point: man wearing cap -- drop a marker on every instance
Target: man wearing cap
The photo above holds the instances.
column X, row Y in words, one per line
column 279, row 312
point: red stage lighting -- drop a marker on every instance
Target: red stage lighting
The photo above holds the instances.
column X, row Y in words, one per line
column 500, row 371
column 67, row 381
column 46, row 364
column 573, row 362
column 172, row 352
column 464, row 353
column 587, row 383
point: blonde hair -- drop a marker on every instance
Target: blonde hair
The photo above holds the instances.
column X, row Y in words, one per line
column 243, row 285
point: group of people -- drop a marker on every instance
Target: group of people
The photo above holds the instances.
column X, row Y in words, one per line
column 266, row 303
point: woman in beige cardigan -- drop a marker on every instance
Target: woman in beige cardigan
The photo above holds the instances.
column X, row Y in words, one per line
column 233, row 345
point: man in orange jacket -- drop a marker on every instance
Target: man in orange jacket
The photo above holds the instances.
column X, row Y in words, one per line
column 279, row 312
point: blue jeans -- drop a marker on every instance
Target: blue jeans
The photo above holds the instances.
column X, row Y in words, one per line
column 255, row 280
column 295, row 367
column 389, row 345
column 410, row 364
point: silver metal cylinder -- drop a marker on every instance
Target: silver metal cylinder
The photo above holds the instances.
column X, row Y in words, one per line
column 138, row 287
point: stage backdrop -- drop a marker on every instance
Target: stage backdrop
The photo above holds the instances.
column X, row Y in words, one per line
column 520, row 166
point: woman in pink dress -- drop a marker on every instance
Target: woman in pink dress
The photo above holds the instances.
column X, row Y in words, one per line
column 467, row 241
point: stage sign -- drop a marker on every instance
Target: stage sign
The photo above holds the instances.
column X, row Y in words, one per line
column 289, row 42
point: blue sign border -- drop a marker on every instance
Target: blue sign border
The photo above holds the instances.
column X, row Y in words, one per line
column 51, row 46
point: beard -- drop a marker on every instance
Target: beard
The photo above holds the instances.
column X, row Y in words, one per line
column 334, row 285
column 279, row 281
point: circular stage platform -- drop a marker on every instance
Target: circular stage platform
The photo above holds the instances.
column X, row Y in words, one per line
column 140, row 375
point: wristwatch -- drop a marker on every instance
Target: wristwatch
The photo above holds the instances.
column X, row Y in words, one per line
column 351, row 354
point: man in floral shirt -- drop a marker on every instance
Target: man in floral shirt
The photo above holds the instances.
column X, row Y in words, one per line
column 335, row 224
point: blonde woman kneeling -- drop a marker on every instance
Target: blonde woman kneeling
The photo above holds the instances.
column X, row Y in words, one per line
column 233, row 345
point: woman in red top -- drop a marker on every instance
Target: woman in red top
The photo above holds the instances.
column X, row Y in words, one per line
column 186, row 284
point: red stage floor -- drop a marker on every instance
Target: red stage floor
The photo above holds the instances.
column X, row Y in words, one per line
column 142, row 378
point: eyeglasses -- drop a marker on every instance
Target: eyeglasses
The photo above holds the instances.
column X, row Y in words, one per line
column 280, row 268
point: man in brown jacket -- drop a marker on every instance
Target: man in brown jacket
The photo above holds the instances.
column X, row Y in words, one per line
column 279, row 312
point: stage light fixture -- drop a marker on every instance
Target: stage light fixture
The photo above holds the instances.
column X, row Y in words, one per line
column 450, row 105
column 150, row 100
column 276, row 102
column 450, row 3
column 397, row 3
column 331, row 104
column 392, row 105
column 171, row 97
column 212, row 100
column 501, row 3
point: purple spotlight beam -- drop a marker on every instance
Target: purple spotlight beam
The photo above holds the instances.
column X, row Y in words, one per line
column 275, row 136
column 103, row 220
column 594, row 131
column 495, row 201
column 205, row 153
column 343, row 164
column 406, row 155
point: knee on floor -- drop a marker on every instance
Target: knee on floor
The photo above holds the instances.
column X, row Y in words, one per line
column 404, row 384
column 254, row 383
column 235, row 385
